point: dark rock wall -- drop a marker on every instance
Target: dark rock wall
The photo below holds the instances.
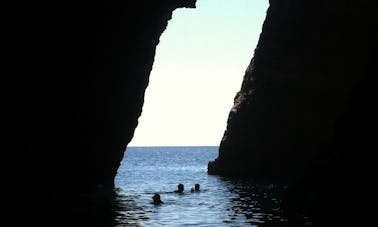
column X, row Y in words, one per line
column 109, row 49
column 312, row 59
column 306, row 111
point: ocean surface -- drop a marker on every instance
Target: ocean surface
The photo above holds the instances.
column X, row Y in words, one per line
column 220, row 202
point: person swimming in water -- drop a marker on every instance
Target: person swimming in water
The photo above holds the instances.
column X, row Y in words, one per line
column 180, row 188
column 156, row 199
column 196, row 188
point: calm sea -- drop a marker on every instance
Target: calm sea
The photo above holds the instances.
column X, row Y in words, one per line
column 220, row 202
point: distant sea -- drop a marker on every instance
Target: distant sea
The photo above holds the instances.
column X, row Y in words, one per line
column 220, row 202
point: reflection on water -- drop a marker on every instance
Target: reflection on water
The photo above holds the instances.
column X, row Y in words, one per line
column 103, row 207
column 237, row 203
column 127, row 212
column 220, row 202
column 229, row 202
column 260, row 204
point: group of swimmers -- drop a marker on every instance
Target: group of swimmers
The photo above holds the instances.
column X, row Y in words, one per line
column 180, row 189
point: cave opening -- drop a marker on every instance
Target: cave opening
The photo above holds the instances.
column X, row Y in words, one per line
column 198, row 69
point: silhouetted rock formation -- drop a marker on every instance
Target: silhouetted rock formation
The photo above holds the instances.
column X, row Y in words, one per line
column 306, row 111
column 109, row 49
column 307, row 66
column 108, row 56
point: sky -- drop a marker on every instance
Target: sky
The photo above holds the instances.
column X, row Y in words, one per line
column 198, row 69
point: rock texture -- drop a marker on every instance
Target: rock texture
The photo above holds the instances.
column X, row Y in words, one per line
column 306, row 111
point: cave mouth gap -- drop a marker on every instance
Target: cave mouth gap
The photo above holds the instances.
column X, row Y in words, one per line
column 198, row 69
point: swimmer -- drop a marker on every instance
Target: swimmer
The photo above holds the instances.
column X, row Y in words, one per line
column 156, row 199
column 196, row 188
column 180, row 188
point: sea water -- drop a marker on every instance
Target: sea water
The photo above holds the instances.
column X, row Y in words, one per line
column 220, row 202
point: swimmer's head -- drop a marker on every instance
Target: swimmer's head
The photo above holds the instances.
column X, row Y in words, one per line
column 156, row 198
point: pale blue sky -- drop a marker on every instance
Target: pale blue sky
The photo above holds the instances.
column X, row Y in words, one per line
column 199, row 66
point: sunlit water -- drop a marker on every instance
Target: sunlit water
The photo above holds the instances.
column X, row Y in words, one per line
column 220, row 202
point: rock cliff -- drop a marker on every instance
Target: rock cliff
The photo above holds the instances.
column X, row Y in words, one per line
column 109, row 49
column 305, row 112
column 307, row 66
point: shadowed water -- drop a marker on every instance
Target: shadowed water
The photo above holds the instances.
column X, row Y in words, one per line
column 220, row 202
column 144, row 171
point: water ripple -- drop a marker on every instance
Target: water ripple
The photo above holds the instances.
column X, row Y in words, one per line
column 221, row 201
